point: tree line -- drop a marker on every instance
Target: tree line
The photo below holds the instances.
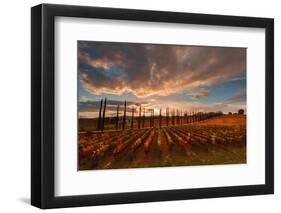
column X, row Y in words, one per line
column 138, row 117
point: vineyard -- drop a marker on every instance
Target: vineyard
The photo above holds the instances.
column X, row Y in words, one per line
column 220, row 140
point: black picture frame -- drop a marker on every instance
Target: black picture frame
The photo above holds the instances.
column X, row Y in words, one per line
column 43, row 110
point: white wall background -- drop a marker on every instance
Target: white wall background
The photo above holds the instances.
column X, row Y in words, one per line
column 15, row 106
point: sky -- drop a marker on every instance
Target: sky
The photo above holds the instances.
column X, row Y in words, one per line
column 157, row 76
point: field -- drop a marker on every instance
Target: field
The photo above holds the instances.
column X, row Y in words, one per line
column 219, row 140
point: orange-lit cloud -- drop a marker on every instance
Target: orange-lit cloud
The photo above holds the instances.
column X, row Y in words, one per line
column 146, row 70
column 198, row 94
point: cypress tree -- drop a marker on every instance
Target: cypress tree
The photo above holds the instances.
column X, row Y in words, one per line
column 143, row 117
column 167, row 116
column 117, row 117
column 132, row 119
column 103, row 116
column 139, row 119
column 99, row 119
column 124, row 117
column 160, row 118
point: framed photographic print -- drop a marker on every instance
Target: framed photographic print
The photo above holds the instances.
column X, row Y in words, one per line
column 140, row 106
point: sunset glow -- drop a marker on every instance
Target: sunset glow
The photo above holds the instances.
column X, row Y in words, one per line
column 189, row 78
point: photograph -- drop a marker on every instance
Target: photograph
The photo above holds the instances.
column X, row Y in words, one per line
column 139, row 105
column 160, row 105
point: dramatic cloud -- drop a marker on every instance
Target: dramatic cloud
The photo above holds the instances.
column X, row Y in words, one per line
column 198, row 94
column 239, row 99
column 146, row 69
